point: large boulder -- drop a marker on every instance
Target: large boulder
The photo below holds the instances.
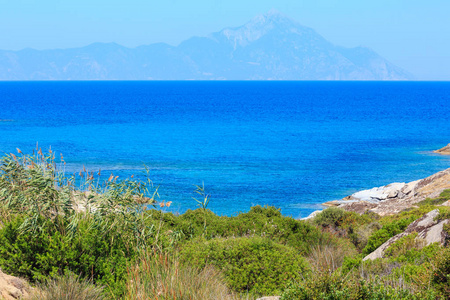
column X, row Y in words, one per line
column 428, row 230
column 12, row 287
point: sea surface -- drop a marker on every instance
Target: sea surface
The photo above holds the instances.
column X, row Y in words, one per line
column 293, row 145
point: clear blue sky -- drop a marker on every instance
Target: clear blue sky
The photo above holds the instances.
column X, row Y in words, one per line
column 413, row 34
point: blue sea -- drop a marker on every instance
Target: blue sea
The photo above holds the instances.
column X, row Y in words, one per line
column 293, row 145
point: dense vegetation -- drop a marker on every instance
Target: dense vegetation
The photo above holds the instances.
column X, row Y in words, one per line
column 107, row 238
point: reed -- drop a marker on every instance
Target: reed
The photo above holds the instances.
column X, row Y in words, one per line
column 37, row 188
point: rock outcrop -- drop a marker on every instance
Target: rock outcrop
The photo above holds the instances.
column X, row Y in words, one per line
column 395, row 197
column 444, row 151
column 12, row 287
column 428, row 231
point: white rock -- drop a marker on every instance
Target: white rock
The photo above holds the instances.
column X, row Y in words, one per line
column 434, row 234
column 409, row 187
column 379, row 193
column 312, row 215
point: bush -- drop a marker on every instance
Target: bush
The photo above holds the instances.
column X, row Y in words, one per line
column 337, row 287
column 441, row 274
column 444, row 196
column 402, row 245
column 259, row 221
column 94, row 252
column 347, row 224
column 351, row 263
column 254, row 265
column 385, row 233
column 444, row 213
column 415, row 255
column 332, row 216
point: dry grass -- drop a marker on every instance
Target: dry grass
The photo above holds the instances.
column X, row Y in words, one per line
column 328, row 257
column 161, row 276
column 67, row 287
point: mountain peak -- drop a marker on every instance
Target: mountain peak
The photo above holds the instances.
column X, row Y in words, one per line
column 273, row 19
column 260, row 26
column 273, row 16
column 270, row 46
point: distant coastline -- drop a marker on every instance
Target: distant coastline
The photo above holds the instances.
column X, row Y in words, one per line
column 253, row 51
column 444, row 150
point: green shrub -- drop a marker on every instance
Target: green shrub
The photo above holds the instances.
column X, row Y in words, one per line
column 444, row 196
column 259, row 221
column 446, row 231
column 444, row 213
column 93, row 252
column 255, row 265
column 441, row 273
column 337, row 217
column 337, row 287
column 417, row 255
column 402, row 245
column 351, row 263
column 332, row 216
column 411, row 269
column 347, row 224
column 385, row 233
column 360, row 235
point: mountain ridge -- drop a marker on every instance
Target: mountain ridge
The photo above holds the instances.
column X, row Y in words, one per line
column 269, row 47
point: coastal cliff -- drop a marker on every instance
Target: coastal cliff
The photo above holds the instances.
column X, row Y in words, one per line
column 395, row 197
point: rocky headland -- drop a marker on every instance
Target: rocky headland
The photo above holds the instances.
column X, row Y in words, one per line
column 444, row 151
column 395, row 197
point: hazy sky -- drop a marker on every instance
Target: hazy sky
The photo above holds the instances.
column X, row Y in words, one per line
column 413, row 34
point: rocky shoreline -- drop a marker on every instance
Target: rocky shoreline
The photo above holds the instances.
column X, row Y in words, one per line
column 395, row 197
column 444, row 151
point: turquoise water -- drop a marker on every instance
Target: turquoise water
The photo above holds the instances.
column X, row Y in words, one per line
column 289, row 144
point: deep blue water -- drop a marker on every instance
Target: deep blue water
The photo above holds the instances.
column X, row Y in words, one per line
column 289, row 144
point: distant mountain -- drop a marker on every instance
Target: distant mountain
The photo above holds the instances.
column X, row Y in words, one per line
column 271, row 46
